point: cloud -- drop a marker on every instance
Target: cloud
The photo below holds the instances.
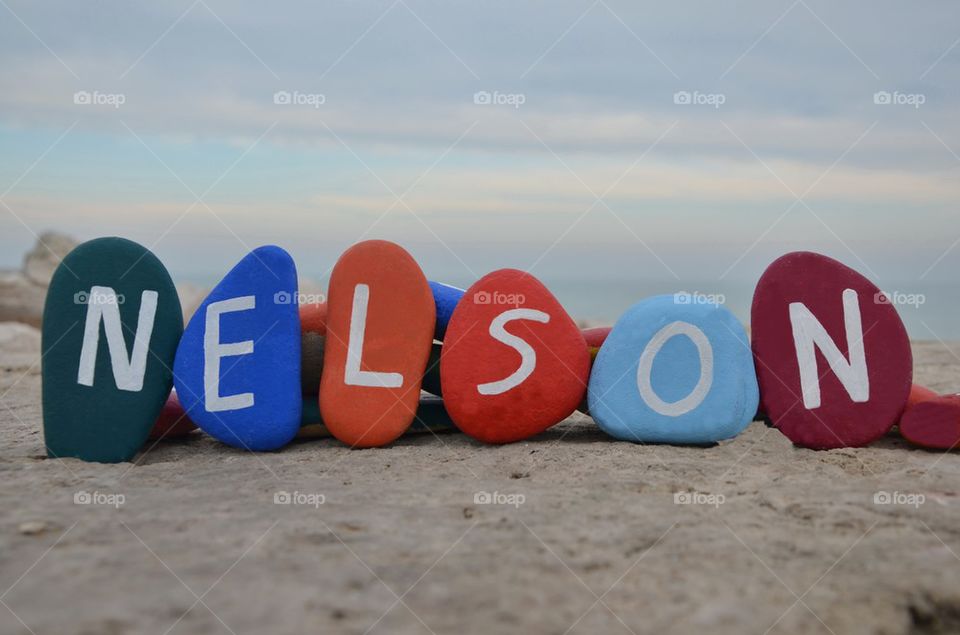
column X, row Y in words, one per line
column 399, row 80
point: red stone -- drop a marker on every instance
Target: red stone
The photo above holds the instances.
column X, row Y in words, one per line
column 934, row 423
column 841, row 419
column 595, row 337
column 919, row 394
column 313, row 318
column 474, row 362
column 397, row 337
column 172, row 421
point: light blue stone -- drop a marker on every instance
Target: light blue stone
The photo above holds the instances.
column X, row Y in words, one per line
column 262, row 387
column 675, row 410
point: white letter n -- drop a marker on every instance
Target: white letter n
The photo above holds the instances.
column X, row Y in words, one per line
column 128, row 370
column 809, row 332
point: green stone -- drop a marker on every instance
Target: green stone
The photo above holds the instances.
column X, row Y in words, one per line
column 102, row 388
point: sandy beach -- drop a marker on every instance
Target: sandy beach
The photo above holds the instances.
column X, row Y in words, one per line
column 584, row 534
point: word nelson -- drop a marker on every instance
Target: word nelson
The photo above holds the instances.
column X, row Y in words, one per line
column 829, row 361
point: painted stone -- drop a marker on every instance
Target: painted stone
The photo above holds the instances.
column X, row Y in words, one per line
column 674, row 373
column 313, row 331
column 311, row 423
column 594, row 337
column 172, row 422
column 445, row 299
column 431, row 417
column 832, row 356
column 111, row 324
column 237, row 370
column 514, row 363
column 934, row 423
column 919, row 394
column 431, row 376
column 380, row 325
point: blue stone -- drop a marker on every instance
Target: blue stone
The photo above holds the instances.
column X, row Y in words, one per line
column 242, row 385
column 674, row 370
column 445, row 298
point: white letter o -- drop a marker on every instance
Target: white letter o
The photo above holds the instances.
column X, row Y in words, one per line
column 699, row 393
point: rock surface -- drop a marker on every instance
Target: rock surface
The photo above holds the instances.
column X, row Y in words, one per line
column 598, row 515
column 22, row 293
column 41, row 261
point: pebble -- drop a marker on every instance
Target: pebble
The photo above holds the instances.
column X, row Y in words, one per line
column 238, row 365
column 934, row 423
column 103, row 391
column 514, row 363
column 445, row 299
column 832, row 312
column 313, row 333
column 380, row 327
column 675, row 373
column 173, row 421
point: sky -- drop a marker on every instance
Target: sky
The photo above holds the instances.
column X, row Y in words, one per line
column 679, row 144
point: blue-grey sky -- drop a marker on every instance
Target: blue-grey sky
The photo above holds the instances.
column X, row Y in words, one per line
column 584, row 164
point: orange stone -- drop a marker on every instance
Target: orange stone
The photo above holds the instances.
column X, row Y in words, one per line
column 380, row 324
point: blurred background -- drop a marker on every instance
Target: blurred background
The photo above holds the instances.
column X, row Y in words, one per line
column 614, row 149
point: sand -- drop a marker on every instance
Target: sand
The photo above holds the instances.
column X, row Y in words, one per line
column 586, row 536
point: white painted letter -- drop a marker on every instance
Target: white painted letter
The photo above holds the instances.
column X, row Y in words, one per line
column 214, row 351
column 528, row 356
column 128, row 371
column 353, row 376
column 644, row 369
column 807, row 332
